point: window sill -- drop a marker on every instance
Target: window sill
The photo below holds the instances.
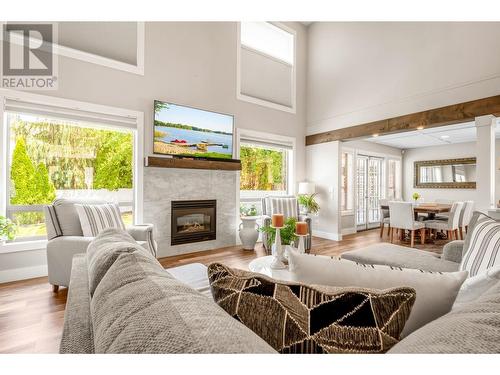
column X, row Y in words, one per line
column 13, row 247
column 347, row 213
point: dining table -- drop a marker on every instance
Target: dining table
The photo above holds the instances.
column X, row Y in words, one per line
column 431, row 209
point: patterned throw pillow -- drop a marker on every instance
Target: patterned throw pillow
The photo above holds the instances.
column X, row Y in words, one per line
column 295, row 318
column 483, row 248
column 94, row 218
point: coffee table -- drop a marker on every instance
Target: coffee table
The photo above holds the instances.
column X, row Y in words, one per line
column 263, row 265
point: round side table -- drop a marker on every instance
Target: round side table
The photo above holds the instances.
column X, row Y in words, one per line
column 263, row 265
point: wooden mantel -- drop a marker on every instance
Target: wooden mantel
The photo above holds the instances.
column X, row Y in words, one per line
column 155, row 161
column 449, row 115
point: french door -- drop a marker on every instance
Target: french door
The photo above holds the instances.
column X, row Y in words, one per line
column 369, row 176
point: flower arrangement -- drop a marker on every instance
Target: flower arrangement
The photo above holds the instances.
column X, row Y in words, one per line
column 287, row 233
column 416, row 196
column 7, row 229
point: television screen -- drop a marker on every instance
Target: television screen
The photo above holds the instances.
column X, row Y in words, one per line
column 191, row 132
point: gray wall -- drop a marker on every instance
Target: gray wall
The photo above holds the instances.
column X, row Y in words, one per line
column 192, row 63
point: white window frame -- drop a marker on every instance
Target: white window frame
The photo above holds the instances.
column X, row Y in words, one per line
column 272, row 139
column 352, row 172
column 77, row 54
column 138, row 173
column 259, row 101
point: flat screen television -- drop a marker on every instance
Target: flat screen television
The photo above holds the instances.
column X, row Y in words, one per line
column 190, row 132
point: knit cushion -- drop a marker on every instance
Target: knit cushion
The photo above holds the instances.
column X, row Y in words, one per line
column 295, row 318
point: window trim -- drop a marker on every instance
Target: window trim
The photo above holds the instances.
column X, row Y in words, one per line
column 138, row 156
column 259, row 101
column 352, row 211
column 274, row 139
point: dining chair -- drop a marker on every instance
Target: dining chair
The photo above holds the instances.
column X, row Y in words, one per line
column 402, row 218
column 465, row 217
column 384, row 217
column 443, row 215
column 451, row 226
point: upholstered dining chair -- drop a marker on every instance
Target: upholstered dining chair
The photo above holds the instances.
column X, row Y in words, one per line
column 451, row 226
column 65, row 238
column 465, row 217
column 384, row 217
column 289, row 207
column 402, row 218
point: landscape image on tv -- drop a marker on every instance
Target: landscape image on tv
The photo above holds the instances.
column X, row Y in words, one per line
column 191, row 132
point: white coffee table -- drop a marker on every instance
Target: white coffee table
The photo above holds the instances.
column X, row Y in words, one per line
column 263, row 265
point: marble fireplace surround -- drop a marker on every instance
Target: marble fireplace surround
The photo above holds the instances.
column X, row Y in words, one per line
column 164, row 185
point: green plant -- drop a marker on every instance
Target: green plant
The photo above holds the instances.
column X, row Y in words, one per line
column 7, row 228
column 246, row 210
column 416, row 196
column 287, row 233
column 309, row 202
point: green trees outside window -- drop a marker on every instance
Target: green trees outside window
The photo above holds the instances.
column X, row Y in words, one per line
column 262, row 169
column 49, row 156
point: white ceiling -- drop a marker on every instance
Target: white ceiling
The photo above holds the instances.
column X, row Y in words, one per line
column 460, row 133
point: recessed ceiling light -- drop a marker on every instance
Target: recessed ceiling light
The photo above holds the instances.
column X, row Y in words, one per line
column 444, row 137
column 375, row 135
column 420, row 128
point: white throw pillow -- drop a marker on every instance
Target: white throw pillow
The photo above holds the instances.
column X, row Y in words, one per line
column 436, row 291
column 94, row 218
column 475, row 286
column 483, row 251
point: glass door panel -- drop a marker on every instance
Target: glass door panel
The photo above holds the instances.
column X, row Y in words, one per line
column 369, row 191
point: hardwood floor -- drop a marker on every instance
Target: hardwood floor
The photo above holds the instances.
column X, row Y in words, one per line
column 32, row 316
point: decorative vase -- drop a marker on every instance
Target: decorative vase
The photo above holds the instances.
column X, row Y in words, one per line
column 249, row 232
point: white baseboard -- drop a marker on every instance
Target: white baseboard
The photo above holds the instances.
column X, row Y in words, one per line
column 327, row 235
column 23, row 273
column 347, row 231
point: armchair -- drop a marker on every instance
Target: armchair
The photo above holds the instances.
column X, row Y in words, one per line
column 289, row 207
column 65, row 238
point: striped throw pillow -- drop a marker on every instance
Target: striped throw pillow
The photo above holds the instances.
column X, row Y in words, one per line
column 484, row 245
column 94, row 218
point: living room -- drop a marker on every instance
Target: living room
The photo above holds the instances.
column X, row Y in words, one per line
column 339, row 177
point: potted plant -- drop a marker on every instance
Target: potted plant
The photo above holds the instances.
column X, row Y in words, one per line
column 7, row 229
column 416, row 197
column 246, row 210
column 248, row 229
column 287, row 233
column 308, row 201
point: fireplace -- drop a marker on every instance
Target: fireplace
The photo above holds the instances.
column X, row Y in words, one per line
column 193, row 221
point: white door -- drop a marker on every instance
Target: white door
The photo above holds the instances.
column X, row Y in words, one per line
column 369, row 191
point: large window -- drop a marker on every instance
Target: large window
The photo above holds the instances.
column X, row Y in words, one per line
column 269, row 39
column 51, row 157
column 347, row 182
column 393, row 179
column 266, row 65
column 265, row 170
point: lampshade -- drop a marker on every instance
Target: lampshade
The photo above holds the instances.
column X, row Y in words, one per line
column 307, row 188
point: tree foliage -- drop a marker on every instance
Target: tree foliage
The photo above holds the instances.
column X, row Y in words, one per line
column 262, row 169
column 113, row 164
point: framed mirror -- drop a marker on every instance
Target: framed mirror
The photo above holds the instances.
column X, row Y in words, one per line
column 445, row 174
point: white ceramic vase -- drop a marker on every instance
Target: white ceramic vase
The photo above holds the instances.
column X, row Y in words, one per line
column 249, row 231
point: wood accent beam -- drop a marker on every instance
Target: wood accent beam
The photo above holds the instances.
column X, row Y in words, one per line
column 432, row 118
column 153, row 161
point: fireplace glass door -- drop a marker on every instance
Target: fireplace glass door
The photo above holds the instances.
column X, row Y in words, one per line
column 193, row 221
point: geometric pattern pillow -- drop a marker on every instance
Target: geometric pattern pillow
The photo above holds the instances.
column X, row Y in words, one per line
column 295, row 318
column 483, row 251
column 94, row 218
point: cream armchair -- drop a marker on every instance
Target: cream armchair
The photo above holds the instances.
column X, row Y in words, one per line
column 65, row 238
column 289, row 207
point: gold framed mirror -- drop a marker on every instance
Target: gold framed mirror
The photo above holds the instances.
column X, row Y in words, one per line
column 445, row 174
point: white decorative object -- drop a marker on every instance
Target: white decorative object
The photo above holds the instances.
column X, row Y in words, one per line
column 278, row 259
column 302, row 247
column 263, row 265
column 306, row 188
column 249, row 232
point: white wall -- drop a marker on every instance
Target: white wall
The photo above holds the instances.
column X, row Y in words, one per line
column 458, row 150
column 361, row 72
column 192, row 63
column 323, row 168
